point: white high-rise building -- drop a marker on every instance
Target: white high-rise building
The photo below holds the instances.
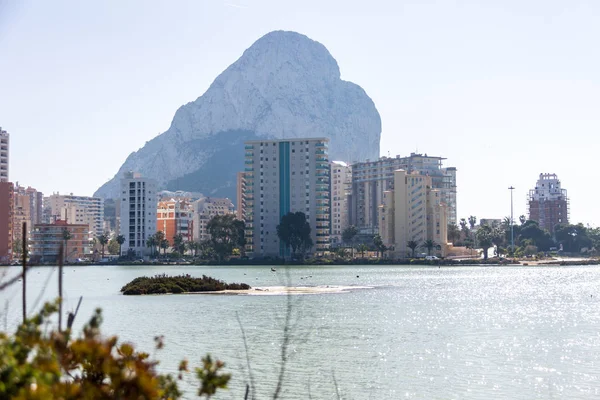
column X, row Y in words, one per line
column 4, row 148
column 138, row 213
column 78, row 210
column 282, row 176
column 341, row 187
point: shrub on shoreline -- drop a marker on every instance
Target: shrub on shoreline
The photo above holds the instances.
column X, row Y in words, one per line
column 162, row 284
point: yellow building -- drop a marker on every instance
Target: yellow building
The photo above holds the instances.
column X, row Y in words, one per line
column 413, row 212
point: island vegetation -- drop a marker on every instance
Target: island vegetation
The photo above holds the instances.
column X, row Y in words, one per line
column 162, row 284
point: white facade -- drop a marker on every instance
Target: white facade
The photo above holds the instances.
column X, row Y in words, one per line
column 282, row 176
column 341, row 187
column 204, row 210
column 78, row 210
column 138, row 212
column 4, row 149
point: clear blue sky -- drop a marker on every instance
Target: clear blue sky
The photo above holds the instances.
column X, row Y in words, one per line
column 504, row 89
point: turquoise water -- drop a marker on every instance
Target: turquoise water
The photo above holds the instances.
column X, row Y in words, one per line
column 417, row 332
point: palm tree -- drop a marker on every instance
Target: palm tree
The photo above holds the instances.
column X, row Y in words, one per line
column 103, row 240
column 413, row 245
column 152, row 243
column 362, row 248
column 522, row 219
column 472, row 221
column 348, row 236
column 463, row 224
column 453, row 233
column 120, row 239
column 66, row 234
column 429, row 245
column 379, row 246
column 164, row 244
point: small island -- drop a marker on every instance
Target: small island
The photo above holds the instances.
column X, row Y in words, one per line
column 163, row 284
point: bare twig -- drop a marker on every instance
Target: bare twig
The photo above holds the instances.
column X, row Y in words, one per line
column 24, row 271
column 11, row 281
column 71, row 316
column 335, row 384
column 60, row 296
column 285, row 342
column 250, row 374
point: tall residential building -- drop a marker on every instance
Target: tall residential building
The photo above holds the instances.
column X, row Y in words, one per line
column 78, row 210
column 175, row 217
column 282, row 176
column 28, row 209
column 46, row 240
column 241, row 204
column 372, row 178
column 413, row 211
column 4, row 149
column 6, row 221
column 204, row 210
column 137, row 212
column 548, row 203
column 341, row 187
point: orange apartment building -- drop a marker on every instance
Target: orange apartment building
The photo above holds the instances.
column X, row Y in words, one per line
column 175, row 217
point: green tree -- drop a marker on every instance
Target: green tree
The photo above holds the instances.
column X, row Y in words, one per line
column 412, row 245
column 103, row 240
column 152, row 243
column 39, row 362
column 66, row 235
column 361, row 248
column 179, row 244
column 453, row 233
column 429, row 245
column 485, row 239
column 294, row 231
column 472, row 221
column 120, row 240
column 226, row 233
column 463, row 225
column 348, row 236
column 379, row 246
column 113, row 247
column 164, row 244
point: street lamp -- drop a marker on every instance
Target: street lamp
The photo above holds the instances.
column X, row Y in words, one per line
column 512, row 230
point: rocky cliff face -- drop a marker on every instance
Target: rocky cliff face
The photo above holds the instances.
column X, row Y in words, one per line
column 284, row 86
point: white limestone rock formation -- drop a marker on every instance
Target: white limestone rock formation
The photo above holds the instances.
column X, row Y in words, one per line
column 284, row 86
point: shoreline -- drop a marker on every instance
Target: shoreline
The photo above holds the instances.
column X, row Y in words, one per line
column 285, row 290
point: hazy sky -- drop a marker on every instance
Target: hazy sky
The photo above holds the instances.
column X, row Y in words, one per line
column 503, row 89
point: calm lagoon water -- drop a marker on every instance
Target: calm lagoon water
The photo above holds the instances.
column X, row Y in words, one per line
column 416, row 333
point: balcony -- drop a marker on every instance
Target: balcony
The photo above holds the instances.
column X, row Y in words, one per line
column 249, row 147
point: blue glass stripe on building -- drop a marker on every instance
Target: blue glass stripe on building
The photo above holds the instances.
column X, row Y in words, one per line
column 284, row 189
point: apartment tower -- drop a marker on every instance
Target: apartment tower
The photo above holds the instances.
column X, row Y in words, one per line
column 80, row 210
column 138, row 213
column 4, row 148
column 548, row 203
column 414, row 211
column 282, row 176
column 341, row 187
column 372, row 178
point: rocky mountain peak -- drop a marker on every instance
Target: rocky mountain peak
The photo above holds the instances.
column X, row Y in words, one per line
column 284, row 86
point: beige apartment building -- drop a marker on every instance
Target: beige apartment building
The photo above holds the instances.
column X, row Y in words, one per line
column 413, row 211
column 78, row 210
column 204, row 210
column 341, row 187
